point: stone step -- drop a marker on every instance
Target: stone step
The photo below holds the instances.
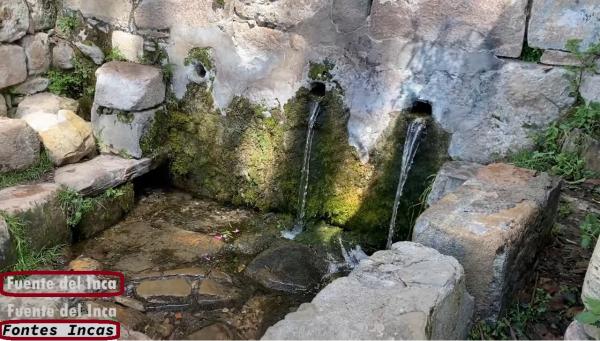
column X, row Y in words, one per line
column 101, row 173
column 494, row 224
column 408, row 292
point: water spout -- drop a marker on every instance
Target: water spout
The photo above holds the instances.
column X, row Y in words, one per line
column 315, row 108
column 411, row 144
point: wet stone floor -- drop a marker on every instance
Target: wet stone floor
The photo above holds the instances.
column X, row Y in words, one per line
column 198, row 270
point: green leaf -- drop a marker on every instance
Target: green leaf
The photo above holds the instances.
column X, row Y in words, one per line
column 587, row 317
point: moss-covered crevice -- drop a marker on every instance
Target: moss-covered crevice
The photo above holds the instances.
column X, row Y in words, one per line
column 253, row 156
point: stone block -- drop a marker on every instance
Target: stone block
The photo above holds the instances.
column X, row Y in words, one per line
column 37, row 50
column 15, row 21
column 495, row 224
column 20, row 145
column 13, row 69
column 130, row 45
column 114, row 12
column 450, row 177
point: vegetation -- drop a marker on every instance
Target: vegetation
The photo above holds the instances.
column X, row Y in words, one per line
column 75, row 206
column 26, row 258
column 200, row 55
column 514, row 324
column 590, row 230
column 531, row 54
column 218, row 4
column 587, row 59
column 115, row 55
column 591, row 315
column 74, row 83
column 37, row 171
column 67, row 23
column 320, row 71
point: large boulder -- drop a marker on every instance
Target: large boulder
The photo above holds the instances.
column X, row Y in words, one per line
column 408, row 292
column 101, row 173
column 495, row 224
column 129, row 86
column 554, row 22
column 115, row 12
column 37, row 50
column 13, row 69
column 15, row 20
column 20, row 145
column 288, row 267
column 494, row 25
column 43, row 14
column 450, row 177
column 66, row 136
column 63, row 55
column 121, row 132
column 38, row 207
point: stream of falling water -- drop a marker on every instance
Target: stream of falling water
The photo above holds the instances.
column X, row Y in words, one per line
column 411, row 144
column 315, row 108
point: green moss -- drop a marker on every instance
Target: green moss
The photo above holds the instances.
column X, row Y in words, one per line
column 531, row 54
column 115, row 55
column 218, row 4
column 43, row 167
column 200, row 55
column 125, row 117
column 67, row 23
column 76, row 83
column 320, row 71
column 106, row 210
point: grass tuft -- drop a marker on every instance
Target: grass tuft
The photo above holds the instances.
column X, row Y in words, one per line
column 33, row 173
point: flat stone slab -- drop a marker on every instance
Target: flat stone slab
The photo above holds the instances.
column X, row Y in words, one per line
column 450, row 177
column 408, row 292
column 175, row 287
column 38, row 207
column 101, row 173
column 494, row 224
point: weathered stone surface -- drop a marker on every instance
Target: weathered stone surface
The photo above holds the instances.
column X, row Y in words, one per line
column 115, row 12
column 20, row 145
column 62, row 55
column 130, row 302
column 215, row 331
column 84, row 264
column 554, row 22
column 176, row 287
column 560, row 58
column 163, row 14
column 31, row 86
column 122, row 132
column 215, row 295
column 129, row 86
column 107, row 212
column 38, row 206
column 130, row 45
column 514, row 102
column 590, row 87
column 494, row 224
column 280, row 14
column 43, row 14
column 13, row 69
column 450, row 177
column 66, row 136
column 7, row 250
column 287, row 267
column 15, row 20
column 408, row 292
column 350, row 15
column 43, row 108
column 91, row 50
column 497, row 25
column 586, row 146
column 3, row 107
column 101, row 173
column 575, row 331
column 37, row 50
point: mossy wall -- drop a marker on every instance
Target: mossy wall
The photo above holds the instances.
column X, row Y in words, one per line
column 252, row 156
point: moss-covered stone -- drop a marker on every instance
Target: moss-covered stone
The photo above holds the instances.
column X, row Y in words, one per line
column 107, row 210
column 248, row 158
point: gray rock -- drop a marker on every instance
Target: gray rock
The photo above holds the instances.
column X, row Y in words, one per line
column 114, row 12
column 121, row 132
column 7, row 250
column 37, row 206
column 586, row 146
column 62, row 55
column 494, row 25
column 350, row 15
column 45, row 104
column 150, row 14
column 554, row 22
column 101, row 173
column 408, row 292
column 43, row 14
column 15, row 20
column 450, row 177
column 590, row 87
column 13, row 69
column 20, row 145
column 3, row 107
column 37, row 50
column 92, row 51
column 495, row 224
column 130, row 45
column 129, row 86
column 575, row 331
column 559, row 58
column 31, row 86
column 288, row 267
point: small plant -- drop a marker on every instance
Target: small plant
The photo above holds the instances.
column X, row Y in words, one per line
column 76, row 83
column 320, row 71
column 590, row 230
column 587, row 59
column 531, row 54
column 67, row 23
column 591, row 315
column 115, row 55
column 218, row 4
column 565, row 209
column 114, row 193
column 44, row 166
column 75, row 206
column 200, row 55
